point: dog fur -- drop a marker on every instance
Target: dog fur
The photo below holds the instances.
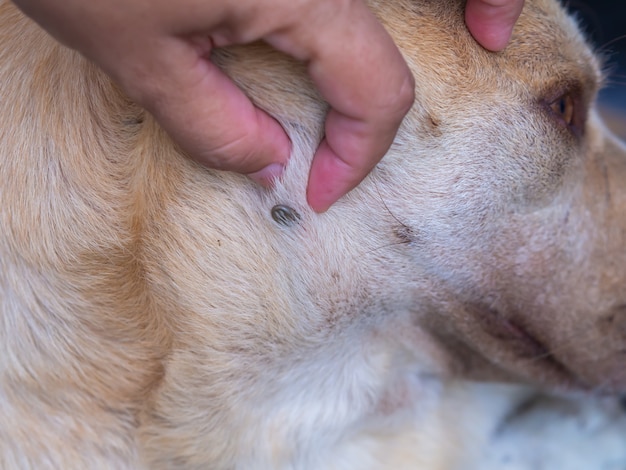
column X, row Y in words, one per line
column 155, row 315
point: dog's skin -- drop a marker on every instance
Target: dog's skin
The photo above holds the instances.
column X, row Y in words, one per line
column 154, row 314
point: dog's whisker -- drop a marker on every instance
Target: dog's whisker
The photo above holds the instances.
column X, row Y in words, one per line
column 616, row 80
column 387, row 207
column 381, row 247
column 391, row 244
column 602, row 48
column 577, row 337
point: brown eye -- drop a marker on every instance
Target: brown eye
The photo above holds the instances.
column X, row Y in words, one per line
column 564, row 108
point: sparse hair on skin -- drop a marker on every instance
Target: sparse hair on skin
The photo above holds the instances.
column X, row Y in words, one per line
column 153, row 313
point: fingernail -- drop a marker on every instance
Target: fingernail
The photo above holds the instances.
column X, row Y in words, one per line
column 268, row 175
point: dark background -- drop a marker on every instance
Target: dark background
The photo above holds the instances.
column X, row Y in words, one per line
column 604, row 22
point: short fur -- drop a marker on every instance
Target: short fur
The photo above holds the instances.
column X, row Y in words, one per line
column 154, row 314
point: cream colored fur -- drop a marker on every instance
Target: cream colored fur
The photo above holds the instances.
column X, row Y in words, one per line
column 154, row 315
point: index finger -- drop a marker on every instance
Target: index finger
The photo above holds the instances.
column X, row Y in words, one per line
column 361, row 74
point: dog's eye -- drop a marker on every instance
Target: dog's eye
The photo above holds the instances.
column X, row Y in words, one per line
column 569, row 111
column 564, row 108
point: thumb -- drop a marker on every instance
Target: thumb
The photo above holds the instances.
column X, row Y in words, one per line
column 491, row 21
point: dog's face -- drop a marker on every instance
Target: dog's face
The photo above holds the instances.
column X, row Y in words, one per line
column 490, row 242
column 502, row 204
column 525, row 236
column 519, row 213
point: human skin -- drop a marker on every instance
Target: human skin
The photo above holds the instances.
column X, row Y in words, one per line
column 158, row 52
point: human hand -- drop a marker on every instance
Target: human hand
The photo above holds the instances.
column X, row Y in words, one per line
column 158, row 52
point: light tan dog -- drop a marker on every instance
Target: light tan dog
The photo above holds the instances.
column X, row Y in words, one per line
column 155, row 314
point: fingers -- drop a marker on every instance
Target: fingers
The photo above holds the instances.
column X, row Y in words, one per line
column 207, row 114
column 369, row 87
column 491, row 21
column 351, row 58
column 145, row 47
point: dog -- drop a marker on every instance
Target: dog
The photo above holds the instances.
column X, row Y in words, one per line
column 463, row 308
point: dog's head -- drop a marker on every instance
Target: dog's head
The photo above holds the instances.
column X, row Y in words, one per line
column 491, row 240
column 499, row 214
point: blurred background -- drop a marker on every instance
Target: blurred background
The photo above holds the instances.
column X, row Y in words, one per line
column 604, row 22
